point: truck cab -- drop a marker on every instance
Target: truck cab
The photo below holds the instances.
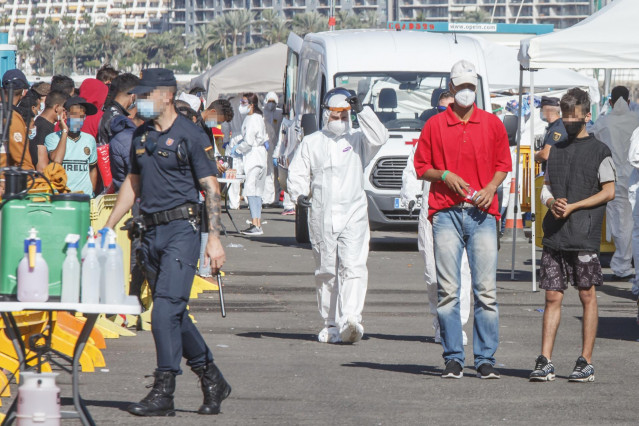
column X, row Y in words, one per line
column 395, row 74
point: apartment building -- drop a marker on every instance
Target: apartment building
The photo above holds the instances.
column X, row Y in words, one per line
column 133, row 17
column 139, row 17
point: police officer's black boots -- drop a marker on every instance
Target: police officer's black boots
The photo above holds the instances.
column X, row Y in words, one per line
column 159, row 402
column 214, row 388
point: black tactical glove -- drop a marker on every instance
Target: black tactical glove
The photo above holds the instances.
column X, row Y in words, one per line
column 356, row 104
column 303, row 201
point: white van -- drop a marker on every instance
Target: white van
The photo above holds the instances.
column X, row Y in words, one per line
column 395, row 74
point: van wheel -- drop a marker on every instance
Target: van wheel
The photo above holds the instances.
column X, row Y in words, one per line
column 301, row 225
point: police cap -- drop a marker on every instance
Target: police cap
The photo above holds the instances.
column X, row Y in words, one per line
column 153, row 78
column 549, row 101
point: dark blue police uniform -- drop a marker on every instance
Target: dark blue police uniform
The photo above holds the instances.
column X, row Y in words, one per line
column 555, row 133
column 170, row 164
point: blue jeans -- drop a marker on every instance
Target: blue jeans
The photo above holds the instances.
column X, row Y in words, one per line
column 454, row 229
column 255, row 206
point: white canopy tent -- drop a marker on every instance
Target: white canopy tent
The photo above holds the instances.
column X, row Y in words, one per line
column 607, row 39
column 260, row 70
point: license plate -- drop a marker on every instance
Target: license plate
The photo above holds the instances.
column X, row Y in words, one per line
column 400, row 205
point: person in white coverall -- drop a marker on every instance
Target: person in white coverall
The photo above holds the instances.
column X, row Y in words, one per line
column 327, row 174
column 285, row 150
column 272, row 122
column 633, row 197
column 411, row 188
column 233, row 131
column 614, row 129
column 253, row 154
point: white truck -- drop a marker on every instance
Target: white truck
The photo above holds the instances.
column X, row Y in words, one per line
column 395, row 74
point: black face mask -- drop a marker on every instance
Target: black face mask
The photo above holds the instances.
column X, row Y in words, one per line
column 573, row 128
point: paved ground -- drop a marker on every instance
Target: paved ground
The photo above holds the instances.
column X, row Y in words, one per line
column 280, row 375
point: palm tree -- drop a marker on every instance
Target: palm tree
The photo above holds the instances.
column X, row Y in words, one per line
column 312, row 22
column 108, row 38
column 238, row 22
column 274, row 27
column 371, row 19
column 163, row 47
column 23, row 50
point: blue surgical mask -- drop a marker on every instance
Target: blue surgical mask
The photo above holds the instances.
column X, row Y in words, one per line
column 32, row 133
column 75, row 124
column 211, row 123
column 146, row 109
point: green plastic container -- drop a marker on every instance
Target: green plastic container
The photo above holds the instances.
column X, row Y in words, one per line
column 54, row 216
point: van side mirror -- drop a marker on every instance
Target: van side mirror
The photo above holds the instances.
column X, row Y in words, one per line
column 309, row 124
column 511, row 122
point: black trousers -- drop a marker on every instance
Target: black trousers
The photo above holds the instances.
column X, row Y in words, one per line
column 169, row 255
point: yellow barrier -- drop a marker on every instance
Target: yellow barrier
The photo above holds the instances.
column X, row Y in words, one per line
column 525, row 177
column 606, row 247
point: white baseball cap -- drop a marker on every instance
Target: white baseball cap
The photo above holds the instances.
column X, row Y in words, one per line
column 463, row 72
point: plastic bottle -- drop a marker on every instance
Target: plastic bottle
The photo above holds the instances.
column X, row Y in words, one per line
column 91, row 234
column 91, row 274
column 71, row 271
column 33, row 271
column 113, row 272
column 38, row 400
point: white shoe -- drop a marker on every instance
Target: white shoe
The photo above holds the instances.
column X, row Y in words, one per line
column 464, row 338
column 328, row 335
column 351, row 331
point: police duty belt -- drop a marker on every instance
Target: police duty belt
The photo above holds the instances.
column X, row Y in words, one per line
column 189, row 211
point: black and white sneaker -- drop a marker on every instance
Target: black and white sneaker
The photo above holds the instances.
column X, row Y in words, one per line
column 253, row 230
column 583, row 371
column 453, row 370
column 487, row 371
column 544, row 370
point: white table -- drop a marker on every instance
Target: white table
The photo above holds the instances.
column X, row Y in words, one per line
column 225, row 193
column 92, row 311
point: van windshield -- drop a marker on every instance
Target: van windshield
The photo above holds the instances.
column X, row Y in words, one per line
column 401, row 100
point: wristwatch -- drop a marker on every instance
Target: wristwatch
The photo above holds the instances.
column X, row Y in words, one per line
column 65, row 131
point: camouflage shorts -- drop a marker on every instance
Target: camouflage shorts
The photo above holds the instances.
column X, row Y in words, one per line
column 580, row 269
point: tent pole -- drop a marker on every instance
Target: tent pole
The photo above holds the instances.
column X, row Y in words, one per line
column 533, row 194
column 521, row 88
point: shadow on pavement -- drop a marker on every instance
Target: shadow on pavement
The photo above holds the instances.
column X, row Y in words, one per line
column 289, row 336
column 120, row 405
column 393, row 244
column 395, row 337
column 612, row 290
column 421, row 369
column 617, row 328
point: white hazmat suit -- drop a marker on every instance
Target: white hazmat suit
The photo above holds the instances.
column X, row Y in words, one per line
column 633, row 197
column 272, row 122
column 235, row 137
column 253, row 154
column 330, row 169
column 411, row 187
column 614, row 129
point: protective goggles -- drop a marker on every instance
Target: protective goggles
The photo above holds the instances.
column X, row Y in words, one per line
column 338, row 109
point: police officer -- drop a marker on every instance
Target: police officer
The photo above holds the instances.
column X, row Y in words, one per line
column 171, row 159
column 555, row 132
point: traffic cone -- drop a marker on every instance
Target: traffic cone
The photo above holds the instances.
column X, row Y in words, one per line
column 513, row 212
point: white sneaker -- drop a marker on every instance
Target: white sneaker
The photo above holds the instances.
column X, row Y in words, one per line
column 328, row 335
column 464, row 338
column 351, row 331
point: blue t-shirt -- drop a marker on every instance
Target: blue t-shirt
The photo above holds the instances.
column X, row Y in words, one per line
column 170, row 163
column 79, row 156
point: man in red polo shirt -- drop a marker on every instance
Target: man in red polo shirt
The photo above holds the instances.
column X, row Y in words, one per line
column 464, row 153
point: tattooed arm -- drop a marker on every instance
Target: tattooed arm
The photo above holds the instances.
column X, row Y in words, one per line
column 214, row 253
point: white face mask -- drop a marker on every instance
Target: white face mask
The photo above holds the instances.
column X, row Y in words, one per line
column 244, row 109
column 465, row 98
column 41, row 108
column 337, row 127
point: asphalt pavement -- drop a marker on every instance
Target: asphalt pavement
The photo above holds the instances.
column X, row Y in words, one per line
column 267, row 349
